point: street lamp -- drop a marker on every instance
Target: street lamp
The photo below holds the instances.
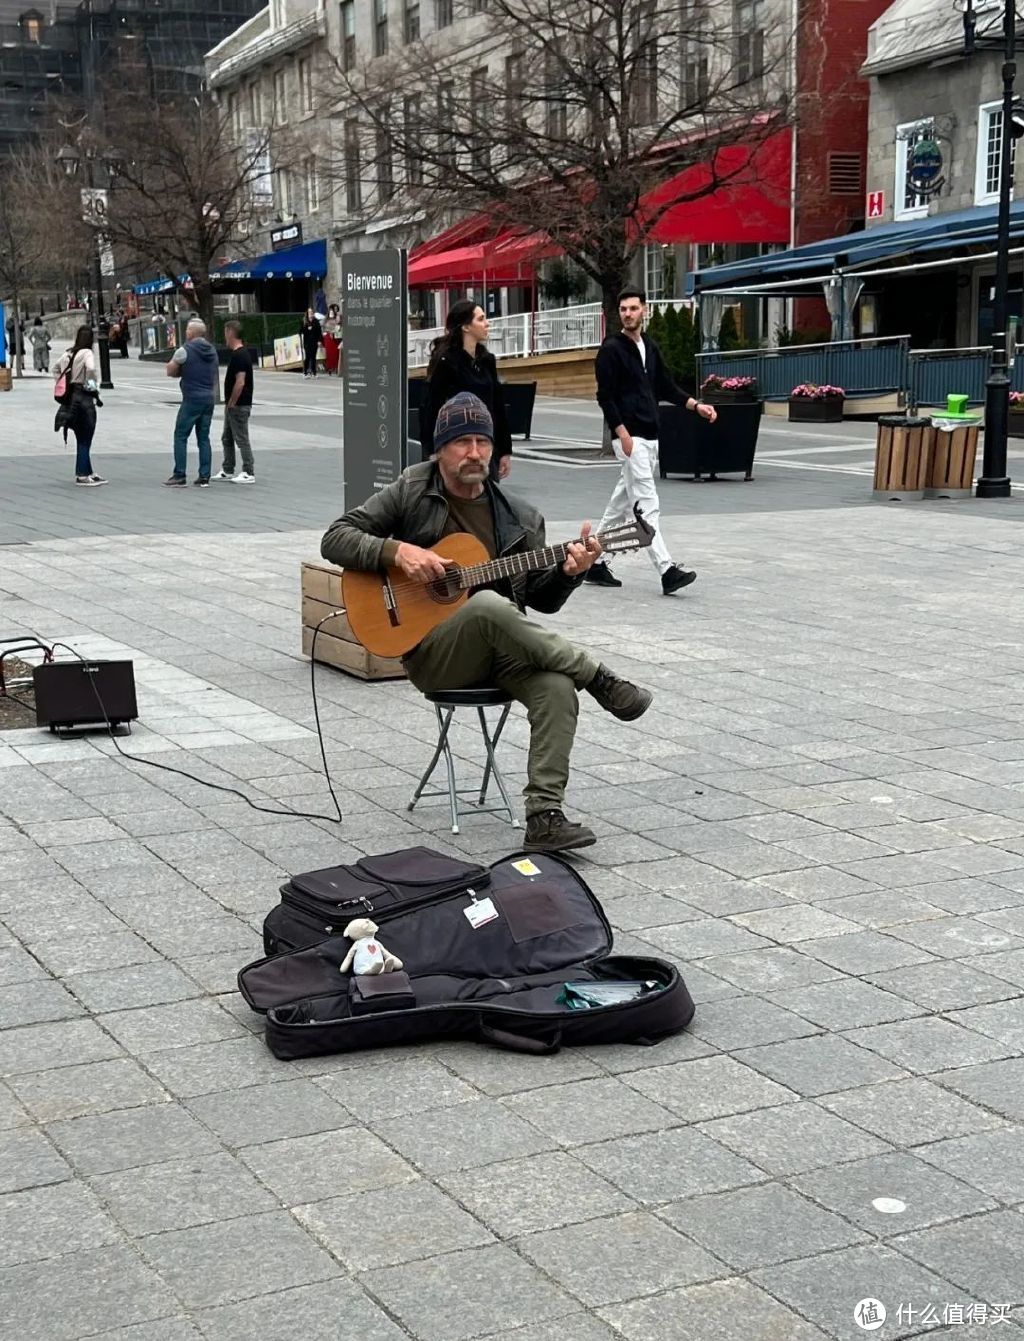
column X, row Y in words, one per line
column 994, row 481
column 72, row 159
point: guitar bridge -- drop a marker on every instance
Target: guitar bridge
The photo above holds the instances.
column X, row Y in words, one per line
column 390, row 604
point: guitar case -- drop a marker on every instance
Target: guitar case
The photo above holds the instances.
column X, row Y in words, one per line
column 487, row 961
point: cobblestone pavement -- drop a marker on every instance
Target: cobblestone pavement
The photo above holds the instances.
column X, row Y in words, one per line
column 821, row 820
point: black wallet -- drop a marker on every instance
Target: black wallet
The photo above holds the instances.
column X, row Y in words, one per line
column 370, row 992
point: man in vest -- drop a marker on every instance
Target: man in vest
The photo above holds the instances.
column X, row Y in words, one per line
column 195, row 363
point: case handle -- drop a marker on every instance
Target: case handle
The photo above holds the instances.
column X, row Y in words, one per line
column 538, row 1047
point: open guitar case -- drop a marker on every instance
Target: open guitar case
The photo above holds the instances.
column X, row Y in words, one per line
column 487, row 955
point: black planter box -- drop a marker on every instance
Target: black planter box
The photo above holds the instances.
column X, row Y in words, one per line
column 519, row 398
column 689, row 445
column 1015, row 423
column 739, row 396
column 804, row 410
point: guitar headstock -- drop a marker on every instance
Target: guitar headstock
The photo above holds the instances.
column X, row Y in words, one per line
column 633, row 535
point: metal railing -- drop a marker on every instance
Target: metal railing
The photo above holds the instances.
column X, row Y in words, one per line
column 860, row 367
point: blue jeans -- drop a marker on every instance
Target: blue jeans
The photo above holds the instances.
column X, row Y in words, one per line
column 193, row 414
column 83, row 444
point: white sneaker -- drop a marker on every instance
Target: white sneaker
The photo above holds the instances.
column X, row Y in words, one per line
column 222, row 475
column 244, row 478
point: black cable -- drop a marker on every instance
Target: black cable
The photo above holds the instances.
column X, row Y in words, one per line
column 219, row 786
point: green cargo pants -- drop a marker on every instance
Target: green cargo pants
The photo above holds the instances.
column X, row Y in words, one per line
column 490, row 642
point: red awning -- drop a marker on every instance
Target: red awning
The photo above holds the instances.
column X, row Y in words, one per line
column 753, row 206
column 508, row 258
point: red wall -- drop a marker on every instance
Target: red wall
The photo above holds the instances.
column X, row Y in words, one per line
column 832, row 117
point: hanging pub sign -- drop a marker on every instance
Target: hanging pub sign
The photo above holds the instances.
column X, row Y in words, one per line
column 924, row 168
column 283, row 238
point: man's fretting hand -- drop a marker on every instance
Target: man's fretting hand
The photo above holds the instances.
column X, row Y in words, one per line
column 422, row 565
column 583, row 553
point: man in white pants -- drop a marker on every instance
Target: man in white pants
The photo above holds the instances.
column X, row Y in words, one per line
column 631, row 380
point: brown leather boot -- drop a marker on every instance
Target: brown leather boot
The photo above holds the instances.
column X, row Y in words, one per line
column 550, row 831
column 622, row 699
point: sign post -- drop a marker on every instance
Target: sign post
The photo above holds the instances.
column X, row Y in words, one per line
column 375, row 319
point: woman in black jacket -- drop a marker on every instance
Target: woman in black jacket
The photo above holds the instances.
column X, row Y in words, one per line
column 312, row 337
column 461, row 361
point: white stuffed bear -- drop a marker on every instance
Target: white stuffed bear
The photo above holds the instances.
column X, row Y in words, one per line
column 365, row 954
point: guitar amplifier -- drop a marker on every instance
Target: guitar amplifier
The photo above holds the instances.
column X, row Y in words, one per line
column 70, row 693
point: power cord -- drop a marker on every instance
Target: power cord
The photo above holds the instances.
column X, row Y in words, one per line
column 338, row 818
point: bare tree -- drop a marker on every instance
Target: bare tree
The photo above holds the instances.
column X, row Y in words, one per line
column 184, row 191
column 563, row 116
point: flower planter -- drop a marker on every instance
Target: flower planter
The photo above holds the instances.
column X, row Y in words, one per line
column 805, row 410
column 717, row 396
column 1015, row 422
column 689, row 445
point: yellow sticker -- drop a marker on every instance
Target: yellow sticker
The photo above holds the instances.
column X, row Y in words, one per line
column 526, row 867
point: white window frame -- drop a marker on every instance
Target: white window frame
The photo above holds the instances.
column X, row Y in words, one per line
column 900, row 209
column 987, row 112
column 304, row 70
column 654, row 271
column 312, row 184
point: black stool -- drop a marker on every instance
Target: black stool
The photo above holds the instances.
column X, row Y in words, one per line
column 445, row 702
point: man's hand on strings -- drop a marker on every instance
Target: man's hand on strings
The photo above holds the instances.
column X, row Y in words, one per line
column 422, row 565
column 583, row 553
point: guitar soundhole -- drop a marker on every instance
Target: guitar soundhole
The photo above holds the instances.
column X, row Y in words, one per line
column 446, row 589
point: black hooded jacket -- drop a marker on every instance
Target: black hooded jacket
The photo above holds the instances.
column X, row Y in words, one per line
column 627, row 392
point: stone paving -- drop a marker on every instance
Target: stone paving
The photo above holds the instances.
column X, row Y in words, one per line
column 821, row 820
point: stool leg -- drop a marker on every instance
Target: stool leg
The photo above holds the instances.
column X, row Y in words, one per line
column 494, row 744
column 453, row 795
column 443, row 723
column 492, row 764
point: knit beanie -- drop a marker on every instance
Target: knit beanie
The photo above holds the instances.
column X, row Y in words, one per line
column 462, row 415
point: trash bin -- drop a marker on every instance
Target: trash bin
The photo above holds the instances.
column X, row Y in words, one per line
column 5, row 379
column 903, row 450
column 951, row 472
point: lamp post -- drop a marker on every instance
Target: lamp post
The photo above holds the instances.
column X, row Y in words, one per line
column 994, row 481
column 72, row 159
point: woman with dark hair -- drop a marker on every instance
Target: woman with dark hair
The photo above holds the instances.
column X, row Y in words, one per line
column 332, row 340
column 312, row 336
column 78, row 410
column 461, row 361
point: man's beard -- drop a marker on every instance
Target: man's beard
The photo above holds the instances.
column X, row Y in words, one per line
column 472, row 473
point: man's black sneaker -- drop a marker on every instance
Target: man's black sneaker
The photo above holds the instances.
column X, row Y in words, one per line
column 176, row 482
column 602, row 576
column 675, row 578
column 550, row 831
column 623, row 700
column 203, row 482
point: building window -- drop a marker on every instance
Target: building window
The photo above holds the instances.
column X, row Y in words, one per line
column 380, row 27
column 353, row 169
column 385, row 165
column 694, row 66
column 654, row 270
column 514, row 85
column 32, row 27
column 348, row 35
column 255, row 106
column 444, row 13
column 478, row 6
column 312, row 183
column 645, row 65
column 306, row 84
column 412, row 20
column 907, row 203
column 990, row 154
column 446, row 123
column 555, row 115
column 284, row 192
column 845, row 174
column 478, row 96
column 749, row 42
column 280, row 98
column 412, row 116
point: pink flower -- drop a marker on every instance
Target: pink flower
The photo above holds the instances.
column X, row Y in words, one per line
column 812, row 391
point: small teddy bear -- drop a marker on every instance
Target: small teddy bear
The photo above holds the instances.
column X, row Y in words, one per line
column 365, row 954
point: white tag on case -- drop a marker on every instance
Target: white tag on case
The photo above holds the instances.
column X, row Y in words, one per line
column 480, row 912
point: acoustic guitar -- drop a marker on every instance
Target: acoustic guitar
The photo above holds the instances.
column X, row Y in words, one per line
column 390, row 614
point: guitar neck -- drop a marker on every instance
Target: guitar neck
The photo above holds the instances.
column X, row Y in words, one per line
column 513, row 565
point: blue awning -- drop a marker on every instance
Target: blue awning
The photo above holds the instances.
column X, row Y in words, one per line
column 162, row 285
column 307, row 261
column 956, row 232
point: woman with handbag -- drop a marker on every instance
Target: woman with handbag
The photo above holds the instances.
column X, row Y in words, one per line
column 461, row 361
column 78, row 393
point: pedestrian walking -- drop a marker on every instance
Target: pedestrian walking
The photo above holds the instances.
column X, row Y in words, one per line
column 631, row 380
column 77, row 409
column 195, row 364
column 332, row 340
column 39, row 339
column 460, row 361
column 312, row 336
column 237, row 408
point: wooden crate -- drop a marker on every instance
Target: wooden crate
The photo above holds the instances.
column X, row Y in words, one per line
column 336, row 644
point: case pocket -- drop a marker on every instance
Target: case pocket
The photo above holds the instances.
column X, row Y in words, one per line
column 532, row 910
column 416, row 866
column 372, row 992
